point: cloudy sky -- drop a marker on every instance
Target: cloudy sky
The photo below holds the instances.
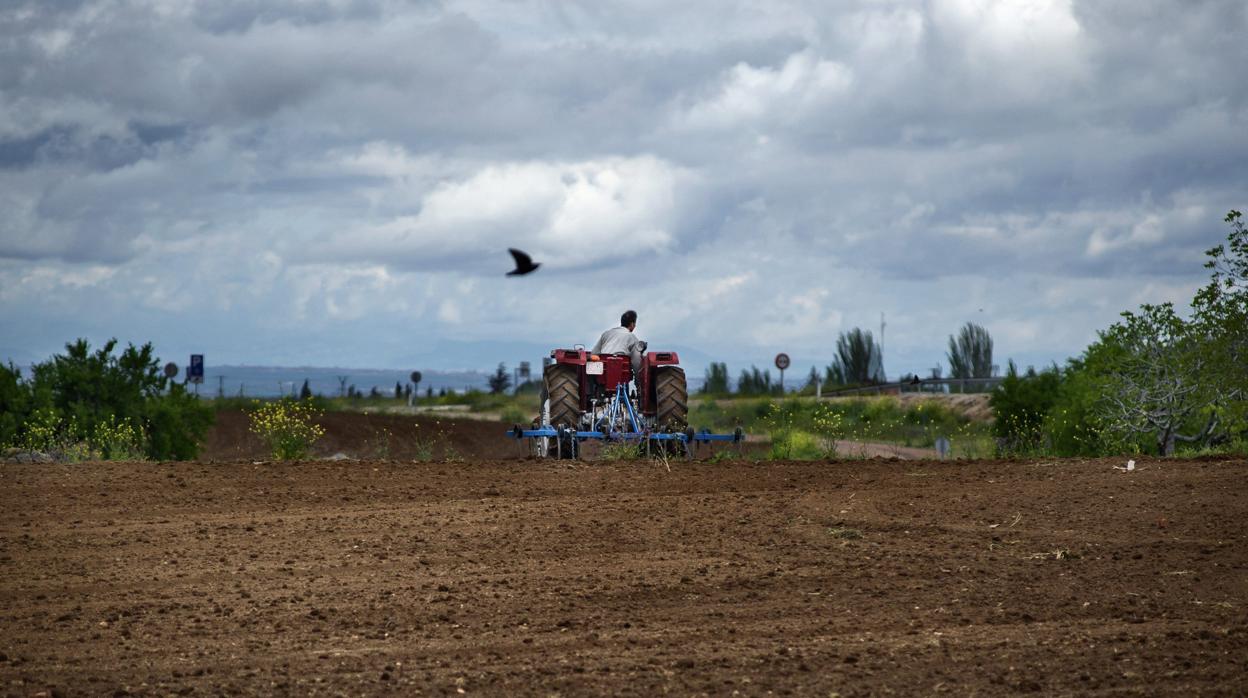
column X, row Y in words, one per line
column 335, row 182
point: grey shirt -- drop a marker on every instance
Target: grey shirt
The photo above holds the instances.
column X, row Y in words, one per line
column 618, row 340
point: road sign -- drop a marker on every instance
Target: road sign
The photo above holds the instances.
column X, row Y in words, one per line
column 416, row 377
column 195, row 371
column 782, row 361
column 171, row 370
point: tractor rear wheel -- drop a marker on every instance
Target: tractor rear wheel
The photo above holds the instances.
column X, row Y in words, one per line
column 671, row 398
column 563, row 388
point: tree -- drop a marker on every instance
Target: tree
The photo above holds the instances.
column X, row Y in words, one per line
column 970, row 355
column 398, row 390
column 756, row 382
column 1155, row 365
column 834, row 375
column 500, row 381
column 305, row 393
column 1174, row 380
column 16, row 403
column 716, row 379
column 859, row 357
column 1220, row 311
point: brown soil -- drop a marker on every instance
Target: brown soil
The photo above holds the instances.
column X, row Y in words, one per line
column 503, row 577
column 380, row 436
column 405, row 437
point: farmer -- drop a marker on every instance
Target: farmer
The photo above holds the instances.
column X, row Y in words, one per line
column 621, row 340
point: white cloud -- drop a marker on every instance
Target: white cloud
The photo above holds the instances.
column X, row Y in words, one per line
column 571, row 214
column 749, row 95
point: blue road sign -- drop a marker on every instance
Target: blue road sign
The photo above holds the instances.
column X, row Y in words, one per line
column 195, row 371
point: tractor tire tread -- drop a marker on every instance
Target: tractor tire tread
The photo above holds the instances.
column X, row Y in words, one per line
column 564, row 390
column 671, row 397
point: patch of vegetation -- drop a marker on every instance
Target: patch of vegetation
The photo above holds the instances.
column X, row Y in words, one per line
column 1155, row 381
column 804, row 428
column 287, row 427
column 621, row 450
column 844, row 533
column 100, row 404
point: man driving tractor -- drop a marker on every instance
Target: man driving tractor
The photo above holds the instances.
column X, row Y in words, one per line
column 621, row 340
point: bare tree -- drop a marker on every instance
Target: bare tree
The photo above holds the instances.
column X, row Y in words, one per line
column 970, row 355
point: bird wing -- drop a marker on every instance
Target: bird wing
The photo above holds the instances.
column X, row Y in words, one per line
column 523, row 261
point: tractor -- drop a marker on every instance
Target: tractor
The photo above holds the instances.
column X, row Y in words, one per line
column 589, row 396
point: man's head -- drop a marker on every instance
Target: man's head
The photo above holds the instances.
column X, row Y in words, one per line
column 629, row 320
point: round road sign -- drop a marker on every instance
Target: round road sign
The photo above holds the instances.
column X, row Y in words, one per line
column 171, row 370
column 416, row 376
column 782, row 361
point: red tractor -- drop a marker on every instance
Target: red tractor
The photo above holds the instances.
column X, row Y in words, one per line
column 582, row 387
column 591, row 396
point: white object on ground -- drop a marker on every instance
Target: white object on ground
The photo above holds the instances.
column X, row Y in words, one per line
column 1130, row 465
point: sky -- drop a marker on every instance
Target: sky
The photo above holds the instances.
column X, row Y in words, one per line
column 336, row 182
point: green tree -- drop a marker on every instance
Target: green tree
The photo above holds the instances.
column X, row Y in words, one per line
column 305, row 393
column 1156, row 378
column 716, row 379
column 756, row 382
column 970, row 354
column 833, row 375
column 859, row 357
column 500, row 381
column 16, row 403
column 1220, row 313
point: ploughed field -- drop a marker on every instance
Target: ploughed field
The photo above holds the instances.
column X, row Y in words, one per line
column 515, row 576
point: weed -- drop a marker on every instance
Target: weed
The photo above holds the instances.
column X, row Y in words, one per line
column 423, row 446
column 620, row 450
column 720, row 456
column 844, row 533
column 118, row 440
column 380, row 443
column 286, row 427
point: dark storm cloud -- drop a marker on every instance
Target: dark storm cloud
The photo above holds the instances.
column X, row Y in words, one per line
column 94, row 152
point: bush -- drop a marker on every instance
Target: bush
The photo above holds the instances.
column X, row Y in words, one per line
column 100, row 403
column 1021, row 403
column 286, row 427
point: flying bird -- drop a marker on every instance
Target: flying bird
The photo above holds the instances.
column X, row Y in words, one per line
column 524, row 263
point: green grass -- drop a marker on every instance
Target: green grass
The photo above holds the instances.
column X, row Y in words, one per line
column 803, row 428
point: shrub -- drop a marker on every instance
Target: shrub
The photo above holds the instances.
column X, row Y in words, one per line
column 287, row 427
column 829, row 425
column 115, row 439
column 1020, row 404
column 69, row 399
